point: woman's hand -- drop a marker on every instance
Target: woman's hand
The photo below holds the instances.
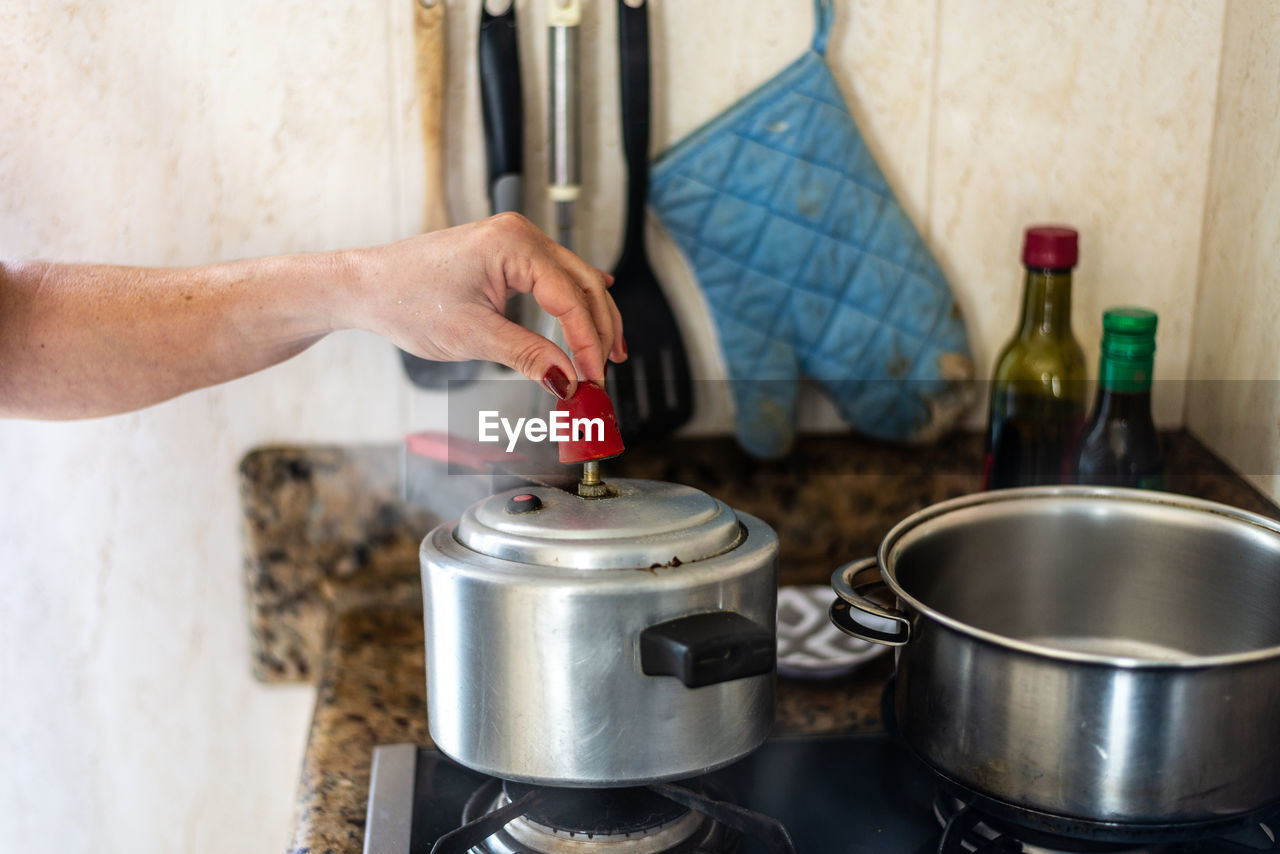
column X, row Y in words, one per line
column 441, row 296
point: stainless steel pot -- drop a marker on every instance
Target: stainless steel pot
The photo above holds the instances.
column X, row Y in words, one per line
column 600, row 642
column 1093, row 654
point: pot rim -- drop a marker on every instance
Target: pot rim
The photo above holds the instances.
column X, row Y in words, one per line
column 1144, row 496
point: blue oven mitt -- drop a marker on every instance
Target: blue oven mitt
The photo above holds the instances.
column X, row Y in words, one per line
column 811, row 266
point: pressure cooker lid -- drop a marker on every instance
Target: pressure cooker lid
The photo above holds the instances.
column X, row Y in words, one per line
column 643, row 524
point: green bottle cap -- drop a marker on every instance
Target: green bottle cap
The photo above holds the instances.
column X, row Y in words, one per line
column 1129, row 321
column 1128, row 348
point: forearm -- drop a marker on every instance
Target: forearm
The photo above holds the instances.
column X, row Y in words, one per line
column 79, row 341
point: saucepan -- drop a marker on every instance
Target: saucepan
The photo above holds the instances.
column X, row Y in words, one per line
column 1099, row 655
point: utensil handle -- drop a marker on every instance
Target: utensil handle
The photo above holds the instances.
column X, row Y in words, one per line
column 501, row 108
column 851, row 583
column 633, row 67
column 564, row 18
column 428, row 41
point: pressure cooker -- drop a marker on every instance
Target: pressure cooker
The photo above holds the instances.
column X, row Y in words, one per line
column 617, row 635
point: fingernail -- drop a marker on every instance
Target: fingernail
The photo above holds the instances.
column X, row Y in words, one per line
column 622, row 339
column 556, row 382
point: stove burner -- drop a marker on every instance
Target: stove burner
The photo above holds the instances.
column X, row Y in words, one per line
column 967, row 829
column 598, row 812
column 517, row 818
column 546, row 820
column 970, row 826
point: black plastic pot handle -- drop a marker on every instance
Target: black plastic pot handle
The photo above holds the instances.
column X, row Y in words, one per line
column 706, row 649
column 501, row 108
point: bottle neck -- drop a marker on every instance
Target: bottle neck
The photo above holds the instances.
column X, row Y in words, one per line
column 1123, row 405
column 1127, row 363
column 1124, row 385
column 1046, row 304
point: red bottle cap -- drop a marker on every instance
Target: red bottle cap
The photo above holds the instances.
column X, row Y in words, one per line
column 1050, row 247
column 590, row 402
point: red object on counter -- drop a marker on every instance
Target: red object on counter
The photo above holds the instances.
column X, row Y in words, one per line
column 1050, row 247
column 590, row 402
column 457, row 451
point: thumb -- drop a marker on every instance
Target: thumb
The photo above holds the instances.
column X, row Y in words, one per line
column 507, row 343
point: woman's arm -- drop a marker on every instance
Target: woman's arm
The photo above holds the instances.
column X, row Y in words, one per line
column 78, row 341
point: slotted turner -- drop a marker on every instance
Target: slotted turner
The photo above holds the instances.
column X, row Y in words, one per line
column 652, row 391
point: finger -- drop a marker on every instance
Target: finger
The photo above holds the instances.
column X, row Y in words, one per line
column 578, row 266
column 497, row 339
column 603, row 313
column 619, row 351
column 566, row 301
column 595, row 283
column 570, row 290
column 583, row 340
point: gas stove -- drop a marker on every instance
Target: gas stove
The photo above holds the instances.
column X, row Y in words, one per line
column 834, row 794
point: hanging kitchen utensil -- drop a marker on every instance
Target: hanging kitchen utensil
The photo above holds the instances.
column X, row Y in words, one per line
column 811, row 266
column 501, row 108
column 429, row 47
column 652, row 390
column 564, row 17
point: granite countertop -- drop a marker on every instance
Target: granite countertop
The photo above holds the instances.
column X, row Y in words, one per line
column 331, row 569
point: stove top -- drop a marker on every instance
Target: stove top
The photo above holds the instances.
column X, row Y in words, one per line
column 834, row 794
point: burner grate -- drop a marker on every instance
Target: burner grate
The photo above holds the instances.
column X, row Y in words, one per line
column 968, row 827
column 599, row 812
column 514, row 818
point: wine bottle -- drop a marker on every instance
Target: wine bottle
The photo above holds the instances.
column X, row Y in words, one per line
column 1037, row 394
column 1119, row 445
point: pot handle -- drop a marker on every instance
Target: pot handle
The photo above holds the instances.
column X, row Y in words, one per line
column 851, row 583
column 705, row 649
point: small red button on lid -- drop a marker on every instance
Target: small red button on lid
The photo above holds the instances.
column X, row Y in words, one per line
column 525, row 502
column 1050, row 247
column 590, row 402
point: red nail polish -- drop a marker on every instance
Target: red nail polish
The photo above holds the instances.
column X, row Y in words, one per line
column 556, row 382
column 623, row 340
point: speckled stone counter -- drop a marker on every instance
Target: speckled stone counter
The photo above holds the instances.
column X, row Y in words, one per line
column 332, row 574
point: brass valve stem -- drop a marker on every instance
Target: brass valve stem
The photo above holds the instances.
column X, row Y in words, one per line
column 591, row 486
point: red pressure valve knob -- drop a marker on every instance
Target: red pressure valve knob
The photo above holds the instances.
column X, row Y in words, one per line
column 588, row 445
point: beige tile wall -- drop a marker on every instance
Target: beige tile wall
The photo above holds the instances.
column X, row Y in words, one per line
column 984, row 115
column 1234, row 399
column 172, row 133
column 180, row 133
column 1097, row 114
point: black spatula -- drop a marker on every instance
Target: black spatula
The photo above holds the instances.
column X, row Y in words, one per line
column 652, row 391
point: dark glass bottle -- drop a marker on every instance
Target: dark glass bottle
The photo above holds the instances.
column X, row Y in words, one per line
column 1119, row 445
column 1037, row 393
